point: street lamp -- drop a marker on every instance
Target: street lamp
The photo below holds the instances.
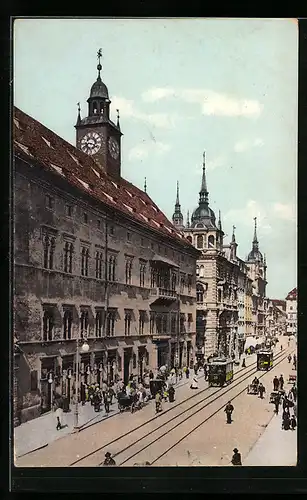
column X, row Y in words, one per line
column 85, row 348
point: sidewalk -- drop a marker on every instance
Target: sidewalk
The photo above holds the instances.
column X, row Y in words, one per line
column 39, row 432
column 275, row 447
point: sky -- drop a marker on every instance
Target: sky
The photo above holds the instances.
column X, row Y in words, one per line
column 184, row 86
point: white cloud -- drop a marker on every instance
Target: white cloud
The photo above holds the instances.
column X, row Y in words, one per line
column 246, row 215
column 219, row 161
column 127, row 108
column 141, row 151
column 211, row 102
column 285, row 212
column 241, row 146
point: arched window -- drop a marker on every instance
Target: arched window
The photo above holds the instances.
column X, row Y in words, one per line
column 199, row 225
column 199, row 293
column 219, row 295
column 200, row 241
column 95, row 107
column 211, row 241
column 189, row 238
column 197, row 270
column 201, row 271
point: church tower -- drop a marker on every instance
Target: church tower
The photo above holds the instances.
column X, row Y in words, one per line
column 97, row 135
column 177, row 215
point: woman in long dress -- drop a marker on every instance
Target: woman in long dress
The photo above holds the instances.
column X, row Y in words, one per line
column 194, row 384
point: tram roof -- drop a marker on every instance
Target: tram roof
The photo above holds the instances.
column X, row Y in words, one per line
column 221, row 361
column 265, row 351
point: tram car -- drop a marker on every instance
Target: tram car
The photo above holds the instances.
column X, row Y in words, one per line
column 264, row 359
column 220, row 372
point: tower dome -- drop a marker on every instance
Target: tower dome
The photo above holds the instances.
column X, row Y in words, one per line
column 203, row 214
column 99, row 89
column 255, row 254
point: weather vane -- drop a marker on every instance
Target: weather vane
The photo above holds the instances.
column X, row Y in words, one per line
column 99, row 55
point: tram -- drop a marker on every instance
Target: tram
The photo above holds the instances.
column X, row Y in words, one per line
column 220, row 372
column 264, row 359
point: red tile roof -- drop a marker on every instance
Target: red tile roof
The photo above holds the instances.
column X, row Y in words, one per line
column 280, row 303
column 34, row 141
column 292, row 295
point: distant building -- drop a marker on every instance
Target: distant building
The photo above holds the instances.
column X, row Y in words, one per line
column 291, row 310
column 275, row 317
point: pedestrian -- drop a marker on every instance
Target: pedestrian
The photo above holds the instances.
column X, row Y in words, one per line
column 276, row 403
column 261, row 390
column 206, row 370
column 293, row 423
column 106, row 402
column 275, row 383
column 171, row 394
column 294, row 392
column 281, row 382
column 236, row 457
column 111, row 393
column 58, row 413
column 285, row 420
column 281, row 347
column 82, row 393
column 295, row 411
column 158, row 400
column 243, row 363
column 151, row 375
column 108, row 459
column 195, row 369
column 289, row 358
column 229, row 409
column 194, row 384
column 187, row 372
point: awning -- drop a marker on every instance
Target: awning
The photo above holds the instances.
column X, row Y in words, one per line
column 158, row 258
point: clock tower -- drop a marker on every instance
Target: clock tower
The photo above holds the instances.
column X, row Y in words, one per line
column 97, row 135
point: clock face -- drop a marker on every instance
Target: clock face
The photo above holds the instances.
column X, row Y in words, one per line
column 91, row 143
column 113, row 148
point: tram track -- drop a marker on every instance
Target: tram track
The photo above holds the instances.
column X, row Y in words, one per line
column 246, row 373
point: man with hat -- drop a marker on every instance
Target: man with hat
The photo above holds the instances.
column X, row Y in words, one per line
column 108, row 460
column 236, row 457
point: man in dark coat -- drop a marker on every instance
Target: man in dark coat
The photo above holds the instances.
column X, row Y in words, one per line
column 229, row 409
column 261, row 390
column 281, row 382
column 275, row 383
column 108, row 460
column 236, row 457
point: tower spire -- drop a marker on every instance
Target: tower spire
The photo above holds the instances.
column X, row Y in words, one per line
column 99, row 67
column 255, row 240
column 117, row 123
column 220, row 222
column 188, row 219
column 203, row 194
column 79, row 115
column 233, row 239
column 177, row 215
column 145, row 186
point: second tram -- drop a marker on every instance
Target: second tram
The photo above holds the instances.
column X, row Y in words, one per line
column 264, row 359
column 220, row 372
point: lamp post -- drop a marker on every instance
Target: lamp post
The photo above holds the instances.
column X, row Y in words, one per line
column 85, row 348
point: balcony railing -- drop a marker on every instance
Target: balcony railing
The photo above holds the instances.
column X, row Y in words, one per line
column 163, row 293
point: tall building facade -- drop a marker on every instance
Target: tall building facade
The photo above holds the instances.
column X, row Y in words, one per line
column 276, row 317
column 291, row 311
column 95, row 259
column 257, row 267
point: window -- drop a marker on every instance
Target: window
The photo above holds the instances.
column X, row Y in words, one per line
column 98, row 323
column 190, row 321
column 211, row 241
column 67, row 324
column 134, row 360
column 98, row 223
column 128, row 236
column 164, row 323
column 189, row 238
column 200, row 241
column 68, row 254
column 68, row 210
column 84, row 324
column 291, row 308
column 197, row 270
column 111, row 318
column 49, row 246
column 182, row 321
column 199, row 293
column 84, row 261
column 152, row 246
column 152, row 322
column 85, row 218
column 48, row 324
column 173, row 323
column 142, row 242
column 111, row 267
column 182, row 283
column 49, row 202
column 128, row 270
column 98, row 260
column 141, row 322
column 127, row 322
column 174, row 282
column 201, row 271
column 219, row 295
column 142, row 273
column 189, row 283
column 152, row 277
